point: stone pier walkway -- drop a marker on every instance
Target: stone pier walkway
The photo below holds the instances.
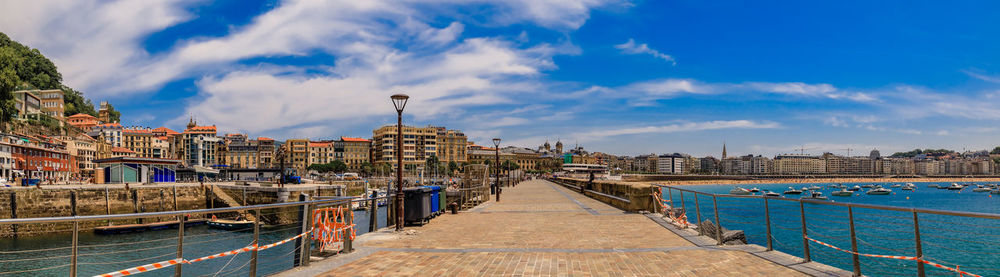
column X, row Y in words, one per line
column 540, row 229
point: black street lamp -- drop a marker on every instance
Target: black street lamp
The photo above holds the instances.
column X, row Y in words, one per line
column 496, row 143
column 399, row 101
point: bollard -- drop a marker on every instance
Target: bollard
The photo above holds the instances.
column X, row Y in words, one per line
column 453, row 207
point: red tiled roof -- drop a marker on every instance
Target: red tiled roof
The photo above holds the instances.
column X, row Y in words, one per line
column 201, row 129
column 82, row 115
column 137, row 131
column 347, row 139
column 165, row 130
column 264, row 138
column 121, row 150
column 163, row 138
column 109, row 125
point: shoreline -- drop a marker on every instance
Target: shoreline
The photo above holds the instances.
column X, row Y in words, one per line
column 820, row 180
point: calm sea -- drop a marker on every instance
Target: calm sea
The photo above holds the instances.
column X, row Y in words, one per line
column 971, row 243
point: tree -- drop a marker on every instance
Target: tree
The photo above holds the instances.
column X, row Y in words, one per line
column 321, row 168
column 996, row 151
column 338, row 166
column 9, row 62
column 367, row 168
column 452, row 168
column 114, row 115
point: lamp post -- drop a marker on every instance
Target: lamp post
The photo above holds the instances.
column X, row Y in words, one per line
column 496, row 143
column 399, row 101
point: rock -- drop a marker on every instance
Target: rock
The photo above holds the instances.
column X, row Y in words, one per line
column 729, row 237
column 675, row 212
column 734, row 237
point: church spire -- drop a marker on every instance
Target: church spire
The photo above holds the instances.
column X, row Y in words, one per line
column 723, row 150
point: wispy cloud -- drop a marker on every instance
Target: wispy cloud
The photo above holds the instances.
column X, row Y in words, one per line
column 982, row 76
column 598, row 134
column 632, row 48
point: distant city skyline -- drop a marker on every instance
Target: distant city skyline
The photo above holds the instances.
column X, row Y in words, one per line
column 621, row 77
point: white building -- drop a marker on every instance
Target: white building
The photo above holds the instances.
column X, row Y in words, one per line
column 670, row 164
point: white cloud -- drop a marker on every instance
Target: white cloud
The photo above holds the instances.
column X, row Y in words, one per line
column 981, row 76
column 597, row 134
column 630, row 47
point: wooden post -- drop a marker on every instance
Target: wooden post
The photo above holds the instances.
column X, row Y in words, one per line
column 135, row 204
column 72, row 202
column 13, row 212
column 162, row 195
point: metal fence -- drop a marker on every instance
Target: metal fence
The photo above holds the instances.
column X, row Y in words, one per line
column 68, row 249
column 871, row 239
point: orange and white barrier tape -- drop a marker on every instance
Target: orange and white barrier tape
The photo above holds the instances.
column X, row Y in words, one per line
column 330, row 226
column 223, row 254
column 908, row 258
column 163, row 264
column 283, row 241
column 142, row 268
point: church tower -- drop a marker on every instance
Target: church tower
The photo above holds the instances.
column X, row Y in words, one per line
column 723, row 150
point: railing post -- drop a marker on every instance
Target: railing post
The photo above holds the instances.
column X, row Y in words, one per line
column 920, row 248
column 670, row 192
column 76, row 243
column 718, row 223
column 683, row 206
column 302, row 256
column 256, row 243
column 697, row 214
column 348, row 219
column 767, row 220
column 373, row 215
column 180, row 244
column 805, row 234
column 854, row 243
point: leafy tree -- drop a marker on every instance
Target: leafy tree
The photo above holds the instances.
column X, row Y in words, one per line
column 452, row 168
column 367, row 168
column 114, row 115
column 995, row 150
column 338, row 166
column 76, row 103
column 9, row 62
column 334, row 166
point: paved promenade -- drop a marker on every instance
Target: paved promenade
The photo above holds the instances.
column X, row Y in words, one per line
column 540, row 229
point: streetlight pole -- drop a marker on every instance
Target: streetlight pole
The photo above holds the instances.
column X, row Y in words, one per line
column 496, row 143
column 399, row 101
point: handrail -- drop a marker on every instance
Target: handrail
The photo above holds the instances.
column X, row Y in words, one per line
column 176, row 213
column 855, row 205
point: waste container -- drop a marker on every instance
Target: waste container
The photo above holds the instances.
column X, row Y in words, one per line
column 435, row 199
column 416, row 204
column 443, row 201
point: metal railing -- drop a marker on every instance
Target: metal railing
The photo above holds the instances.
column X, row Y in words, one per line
column 100, row 257
column 869, row 229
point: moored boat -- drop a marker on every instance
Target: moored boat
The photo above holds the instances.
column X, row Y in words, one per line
column 879, row 191
column 739, row 191
column 909, row 186
column 855, row 188
column 815, row 195
column 896, row 185
column 754, row 190
column 842, row 192
column 227, row 224
column 955, row 186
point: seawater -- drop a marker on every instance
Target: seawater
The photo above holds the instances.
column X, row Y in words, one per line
column 100, row 254
column 971, row 243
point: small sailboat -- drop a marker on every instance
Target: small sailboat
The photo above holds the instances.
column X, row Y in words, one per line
column 792, row 191
column 879, row 191
column 842, row 192
column 739, row 191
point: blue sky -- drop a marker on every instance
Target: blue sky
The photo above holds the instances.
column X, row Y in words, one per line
column 624, row 77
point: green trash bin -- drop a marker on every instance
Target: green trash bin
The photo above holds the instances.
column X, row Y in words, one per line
column 444, row 201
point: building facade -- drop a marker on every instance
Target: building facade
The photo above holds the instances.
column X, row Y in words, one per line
column 418, row 145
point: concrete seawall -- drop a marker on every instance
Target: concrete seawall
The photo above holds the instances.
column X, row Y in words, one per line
column 630, row 197
column 84, row 200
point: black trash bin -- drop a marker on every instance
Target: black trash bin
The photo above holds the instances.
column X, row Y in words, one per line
column 416, row 205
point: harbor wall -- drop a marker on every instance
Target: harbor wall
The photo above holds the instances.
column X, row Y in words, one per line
column 84, row 200
column 626, row 196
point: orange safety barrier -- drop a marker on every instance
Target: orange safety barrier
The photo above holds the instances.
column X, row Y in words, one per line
column 330, row 224
column 909, row 258
column 680, row 221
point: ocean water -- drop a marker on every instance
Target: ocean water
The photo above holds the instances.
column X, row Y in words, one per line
column 100, row 254
column 972, row 244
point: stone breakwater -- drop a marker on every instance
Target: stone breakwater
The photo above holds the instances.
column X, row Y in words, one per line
column 84, row 200
column 819, row 180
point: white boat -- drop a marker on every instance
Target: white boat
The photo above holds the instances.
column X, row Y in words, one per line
column 842, row 192
column 896, row 185
column 739, row 191
column 772, row 194
column 909, row 186
column 814, row 187
column 855, row 188
column 792, row 191
column 754, row 190
column 815, row 195
column 955, row 186
column 879, row 191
